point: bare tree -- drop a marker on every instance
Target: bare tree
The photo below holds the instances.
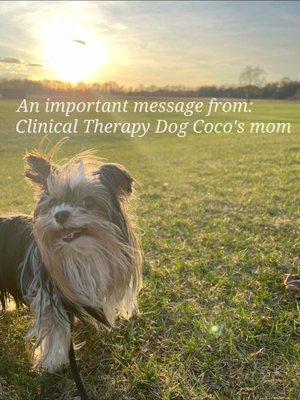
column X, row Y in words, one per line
column 252, row 76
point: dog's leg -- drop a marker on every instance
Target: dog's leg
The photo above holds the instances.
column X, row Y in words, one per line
column 76, row 375
column 3, row 302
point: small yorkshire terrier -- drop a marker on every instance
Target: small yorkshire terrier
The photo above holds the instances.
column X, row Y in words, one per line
column 77, row 257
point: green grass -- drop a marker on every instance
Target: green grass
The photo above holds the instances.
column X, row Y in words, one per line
column 217, row 215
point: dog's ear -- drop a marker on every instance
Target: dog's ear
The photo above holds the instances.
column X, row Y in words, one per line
column 37, row 168
column 116, row 179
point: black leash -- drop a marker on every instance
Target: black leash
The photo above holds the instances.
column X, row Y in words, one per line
column 76, row 374
column 99, row 316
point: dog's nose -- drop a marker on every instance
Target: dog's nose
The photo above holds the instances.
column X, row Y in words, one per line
column 61, row 216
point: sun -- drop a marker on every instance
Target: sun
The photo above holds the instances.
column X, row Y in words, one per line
column 72, row 51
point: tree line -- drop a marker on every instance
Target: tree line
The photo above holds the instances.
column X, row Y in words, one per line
column 283, row 89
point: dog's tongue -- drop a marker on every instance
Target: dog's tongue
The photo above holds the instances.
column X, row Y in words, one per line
column 69, row 234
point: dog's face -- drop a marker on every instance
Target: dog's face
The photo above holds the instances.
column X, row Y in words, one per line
column 67, row 213
column 82, row 229
column 75, row 196
column 77, row 201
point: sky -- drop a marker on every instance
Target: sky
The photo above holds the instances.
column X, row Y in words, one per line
column 149, row 42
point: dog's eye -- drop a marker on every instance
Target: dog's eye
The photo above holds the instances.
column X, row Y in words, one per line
column 88, row 203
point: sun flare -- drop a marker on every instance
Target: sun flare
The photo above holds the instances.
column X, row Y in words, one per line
column 72, row 51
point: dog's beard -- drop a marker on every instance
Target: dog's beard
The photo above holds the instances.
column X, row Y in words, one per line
column 98, row 269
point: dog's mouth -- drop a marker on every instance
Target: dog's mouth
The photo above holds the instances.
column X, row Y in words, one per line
column 68, row 235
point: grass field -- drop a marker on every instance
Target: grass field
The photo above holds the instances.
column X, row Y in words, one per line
column 217, row 215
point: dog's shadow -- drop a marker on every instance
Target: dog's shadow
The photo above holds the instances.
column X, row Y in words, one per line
column 20, row 382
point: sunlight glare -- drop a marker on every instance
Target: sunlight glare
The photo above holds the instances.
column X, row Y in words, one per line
column 66, row 55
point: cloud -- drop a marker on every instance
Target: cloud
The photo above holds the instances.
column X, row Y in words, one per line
column 18, row 61
column 79, row 41
column 34, row 65
column 10, row 60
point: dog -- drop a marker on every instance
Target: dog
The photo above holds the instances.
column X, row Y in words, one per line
column 77, row 257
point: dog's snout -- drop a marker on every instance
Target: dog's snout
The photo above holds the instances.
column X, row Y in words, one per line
column 61, row 216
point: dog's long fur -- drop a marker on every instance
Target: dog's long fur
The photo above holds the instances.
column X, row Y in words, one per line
column 87, row 266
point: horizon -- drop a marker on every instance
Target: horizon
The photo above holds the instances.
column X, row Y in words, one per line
column 139, row 43
column 176, row 87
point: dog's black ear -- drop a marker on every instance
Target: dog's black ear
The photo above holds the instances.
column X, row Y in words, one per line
column 37, row 168
column 116, row 179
